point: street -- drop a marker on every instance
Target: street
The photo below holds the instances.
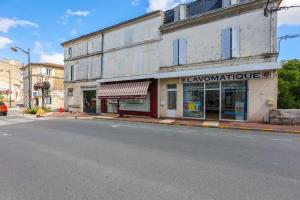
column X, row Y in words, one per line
column 77, row 160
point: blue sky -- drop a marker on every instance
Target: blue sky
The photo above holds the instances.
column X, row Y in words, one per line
column 42, row 25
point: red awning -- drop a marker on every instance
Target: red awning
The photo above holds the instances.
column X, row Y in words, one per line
column 124, row 90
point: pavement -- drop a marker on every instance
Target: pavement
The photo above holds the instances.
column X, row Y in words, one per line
column 14, row 116
column 188, row 122
column 89, row 159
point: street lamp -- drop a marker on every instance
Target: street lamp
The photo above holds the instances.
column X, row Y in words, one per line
column 15, row 49
column 9, row 77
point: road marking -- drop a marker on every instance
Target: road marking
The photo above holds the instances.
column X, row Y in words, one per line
column 282, row 140
column 244, row 136
column 115, row 126
column 5, row 134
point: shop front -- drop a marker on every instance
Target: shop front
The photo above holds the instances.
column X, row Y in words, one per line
column 129, row 98
column 228, row 97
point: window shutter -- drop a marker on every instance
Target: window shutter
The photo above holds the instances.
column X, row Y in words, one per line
column 226, row 3
column 226, row 43
column 233, row 2
column 235, row 42
column 67, row 73
column 182, row 51
column 175, row 52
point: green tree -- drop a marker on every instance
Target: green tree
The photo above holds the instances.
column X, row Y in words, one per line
column 289, row 85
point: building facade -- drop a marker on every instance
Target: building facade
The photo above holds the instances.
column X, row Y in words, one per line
column 40, row 72
column 11, row 82
column 209, row 60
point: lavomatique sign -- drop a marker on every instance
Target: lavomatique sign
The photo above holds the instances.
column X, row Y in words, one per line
column 228, row 77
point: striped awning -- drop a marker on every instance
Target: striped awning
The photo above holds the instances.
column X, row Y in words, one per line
column 124, row 90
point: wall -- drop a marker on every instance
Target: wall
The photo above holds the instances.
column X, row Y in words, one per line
column 260, row 91
column 204, row 41
column 132, row 50
column 75, row 102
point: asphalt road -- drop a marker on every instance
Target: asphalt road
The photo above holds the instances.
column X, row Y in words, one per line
column 109, row 160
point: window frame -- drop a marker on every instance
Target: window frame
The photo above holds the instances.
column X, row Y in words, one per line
column 172, row 96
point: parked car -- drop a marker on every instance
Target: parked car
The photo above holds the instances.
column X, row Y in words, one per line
column 3, row 109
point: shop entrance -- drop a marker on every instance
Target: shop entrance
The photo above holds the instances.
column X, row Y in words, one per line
column 212, row 105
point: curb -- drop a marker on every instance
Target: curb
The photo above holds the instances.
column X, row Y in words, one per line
column 201, row 126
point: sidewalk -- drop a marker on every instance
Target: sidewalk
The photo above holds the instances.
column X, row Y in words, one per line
column 182, row 122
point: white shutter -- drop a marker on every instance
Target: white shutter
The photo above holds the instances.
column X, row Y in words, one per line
column 235, row 38
column 90, row 47
column 226, row 3
column 182, row 51
column 226, row 44
column 175, row 52
column 233, row 2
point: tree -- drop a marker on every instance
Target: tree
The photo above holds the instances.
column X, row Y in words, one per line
column 44, row 87
column 289, row 85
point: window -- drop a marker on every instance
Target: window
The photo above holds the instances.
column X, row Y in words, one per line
column 179, row 52
column 72, row 73
column 230, row 43
column 138, row 105
column 172, row 97
column 70, row 92
column 48, row 72
column 70, row 52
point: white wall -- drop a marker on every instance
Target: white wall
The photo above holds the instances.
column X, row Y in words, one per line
column 204, row 41
column 132, row 50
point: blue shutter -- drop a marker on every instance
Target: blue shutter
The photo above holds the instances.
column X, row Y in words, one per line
column 226, row 44
column 182, row 51
column 235, row 35
column 175, row 52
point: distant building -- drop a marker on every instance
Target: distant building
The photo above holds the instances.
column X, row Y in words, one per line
column 208, row 60
column 54, row 73
column 11, row 79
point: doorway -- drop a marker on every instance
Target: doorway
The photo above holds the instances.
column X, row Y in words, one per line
column 212, row 105
column 89, row 101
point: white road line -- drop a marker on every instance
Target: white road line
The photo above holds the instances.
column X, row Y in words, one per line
column 282, row 140
column 115, row 126
column 5, row 134
column 244, row 136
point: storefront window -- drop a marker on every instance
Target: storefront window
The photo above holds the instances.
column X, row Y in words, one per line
column 234, row 100
column 193, row 100
column 139, row 105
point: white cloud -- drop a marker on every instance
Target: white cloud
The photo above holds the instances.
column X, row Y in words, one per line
column 291, row 16
column 6, row 24
column 77, row 13
column 56, row 58
column 4, row 41
column 164, row 5
column 74, row 32
column 135, row 2
column 69, row 13
column 45, row 56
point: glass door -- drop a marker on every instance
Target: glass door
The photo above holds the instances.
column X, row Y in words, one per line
column 234, row 100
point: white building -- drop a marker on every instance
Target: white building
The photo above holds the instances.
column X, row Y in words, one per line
column 214, row 60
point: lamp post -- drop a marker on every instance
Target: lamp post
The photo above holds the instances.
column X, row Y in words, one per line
column 15, row 49
column 9, row 80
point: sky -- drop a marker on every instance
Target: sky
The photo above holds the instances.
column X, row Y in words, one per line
column 42, row 25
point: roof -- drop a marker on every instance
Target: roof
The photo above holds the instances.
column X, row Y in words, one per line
column 114, row 26
column 52, row 65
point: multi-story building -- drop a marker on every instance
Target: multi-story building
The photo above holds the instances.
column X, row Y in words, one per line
column 40, row 72
column 11, row 82
column 212, row 60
